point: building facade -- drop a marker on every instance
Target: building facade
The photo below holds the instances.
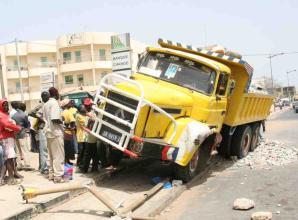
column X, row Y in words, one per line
column 78, row 61
column 35, row 57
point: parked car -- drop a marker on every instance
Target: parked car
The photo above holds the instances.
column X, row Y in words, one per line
column 77, row 96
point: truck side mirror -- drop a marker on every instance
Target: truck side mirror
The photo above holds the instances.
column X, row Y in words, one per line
column 232, row 87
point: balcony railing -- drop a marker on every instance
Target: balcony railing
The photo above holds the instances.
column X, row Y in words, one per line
column 15, row 68
column 18, row 90
column 42, row 65
column 102, row 58
column 77, row 59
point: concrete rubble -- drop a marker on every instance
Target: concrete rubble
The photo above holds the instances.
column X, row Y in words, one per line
column 261, row 216
column 243, row 204
column 268, row 154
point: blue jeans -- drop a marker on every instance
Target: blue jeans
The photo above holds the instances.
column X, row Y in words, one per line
column 1, row 157
column 43, row 151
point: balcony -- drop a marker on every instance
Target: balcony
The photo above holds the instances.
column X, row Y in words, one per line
column 36, row 69
column 75, row 64
column 13, row 73
column 15, row 94
column 102, row 62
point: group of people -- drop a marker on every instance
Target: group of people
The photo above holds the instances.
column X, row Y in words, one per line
column 57, row 128
column 14, row 142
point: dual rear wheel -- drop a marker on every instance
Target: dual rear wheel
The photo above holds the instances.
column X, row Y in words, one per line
column 245, row 139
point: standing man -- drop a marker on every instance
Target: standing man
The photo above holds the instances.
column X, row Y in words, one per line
column 90, row 148
column 21, row 119
column 42, row 143
column 54, row 133
column 69, row 130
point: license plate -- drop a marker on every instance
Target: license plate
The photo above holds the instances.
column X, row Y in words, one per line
column 112, row 137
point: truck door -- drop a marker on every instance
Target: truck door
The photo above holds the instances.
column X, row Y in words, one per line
column 219, row 102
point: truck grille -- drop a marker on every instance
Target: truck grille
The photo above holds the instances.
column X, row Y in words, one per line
column 131, row 103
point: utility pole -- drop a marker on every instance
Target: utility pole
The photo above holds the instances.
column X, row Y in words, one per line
column 270, row 57
column 289, row 82
column 19, row 70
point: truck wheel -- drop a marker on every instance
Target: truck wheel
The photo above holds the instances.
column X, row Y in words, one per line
column 196, row 164
column 109, row 156
column 241, row 141
column 255, row 136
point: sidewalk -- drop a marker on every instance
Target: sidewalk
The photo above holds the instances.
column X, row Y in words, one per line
column 13, row 207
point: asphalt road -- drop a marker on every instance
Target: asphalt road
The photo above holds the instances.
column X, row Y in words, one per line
column 283, row 127
column 272, row 190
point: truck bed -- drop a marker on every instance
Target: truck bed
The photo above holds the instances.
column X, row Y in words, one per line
column 250, row 108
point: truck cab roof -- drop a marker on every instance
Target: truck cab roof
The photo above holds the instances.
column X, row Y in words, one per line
column 208, row 62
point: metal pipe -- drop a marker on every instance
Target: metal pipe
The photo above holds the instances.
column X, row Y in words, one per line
column 103, row 198
column 139, row 201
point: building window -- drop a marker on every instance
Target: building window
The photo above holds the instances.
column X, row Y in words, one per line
column 44, row 61
column 68, row 79
column 18, row 86
column 15, row 65
column 66, row 56
column 80, row 79
column 102, row 54
column 78, row 56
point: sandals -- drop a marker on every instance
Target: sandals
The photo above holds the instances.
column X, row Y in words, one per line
column 14, row 181
column 59, row 180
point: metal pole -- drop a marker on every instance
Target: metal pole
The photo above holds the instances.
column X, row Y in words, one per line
column 288, row 85
column 271, row 75
column 19, row 70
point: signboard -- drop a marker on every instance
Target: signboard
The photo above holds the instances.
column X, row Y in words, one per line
column 47, row 80
column 121, row 54
column 121, row 60
column 120, row 42
column 75, row 39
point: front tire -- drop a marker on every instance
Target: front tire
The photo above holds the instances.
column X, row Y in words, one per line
column 197, row 163
column 241, row 141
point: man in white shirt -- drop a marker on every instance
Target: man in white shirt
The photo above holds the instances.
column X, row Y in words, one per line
column 54, row 133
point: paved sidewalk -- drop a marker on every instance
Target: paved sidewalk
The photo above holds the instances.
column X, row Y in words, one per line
column 13, row 207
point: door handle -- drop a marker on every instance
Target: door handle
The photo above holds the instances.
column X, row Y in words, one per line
column 223, row 112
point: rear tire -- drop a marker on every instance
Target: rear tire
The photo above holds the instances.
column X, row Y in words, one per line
column 196, row 164
column 255, row 136
column 241, row 141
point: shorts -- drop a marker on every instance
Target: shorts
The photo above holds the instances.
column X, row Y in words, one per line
column 9, row 148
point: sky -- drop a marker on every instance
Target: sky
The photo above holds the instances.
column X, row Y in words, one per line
column 251, row 27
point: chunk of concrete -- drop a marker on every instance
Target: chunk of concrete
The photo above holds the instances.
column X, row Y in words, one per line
column 243, row 204
column 261, row 216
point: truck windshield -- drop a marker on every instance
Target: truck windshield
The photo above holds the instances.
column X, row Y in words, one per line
column 179, row 70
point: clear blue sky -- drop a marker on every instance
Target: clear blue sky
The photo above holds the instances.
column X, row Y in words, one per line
column 255, row 26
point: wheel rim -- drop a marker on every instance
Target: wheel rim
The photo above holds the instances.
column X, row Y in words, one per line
column 194, row 162
column 246, row 144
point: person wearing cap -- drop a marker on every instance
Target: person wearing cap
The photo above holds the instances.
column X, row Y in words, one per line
column 69, row 126
column 90, row 148
column 54, row 133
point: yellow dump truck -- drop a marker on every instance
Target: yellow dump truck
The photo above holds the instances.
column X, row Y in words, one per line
column 177, row 104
